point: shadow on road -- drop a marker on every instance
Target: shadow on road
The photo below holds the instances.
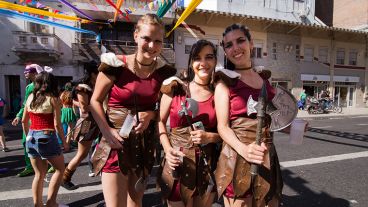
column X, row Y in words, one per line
column 347, row 135
column 88, row 201
column 12, row 163
column 307, row 197
column 336, row 142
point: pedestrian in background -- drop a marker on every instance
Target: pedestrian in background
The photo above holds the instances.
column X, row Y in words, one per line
column 68, row 117
column 2, row 121
column 42, row 110
column 30, row 73
column 86, row 130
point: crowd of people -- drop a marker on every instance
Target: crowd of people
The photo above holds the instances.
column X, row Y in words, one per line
column 125, row 103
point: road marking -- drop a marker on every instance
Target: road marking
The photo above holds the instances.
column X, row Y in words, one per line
column 359, row 117
column 322, row 127
column 336, row 118
column 319, row 160
column 362, row 124
column 27, row 193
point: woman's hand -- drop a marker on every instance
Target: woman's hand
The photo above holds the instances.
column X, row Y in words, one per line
column 113, row 138
column 144, row 119
column 173, row 157
column 254, row 153
column 199, row 137
column 66, row 147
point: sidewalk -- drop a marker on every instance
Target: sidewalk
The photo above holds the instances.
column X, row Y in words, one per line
column 345, row 112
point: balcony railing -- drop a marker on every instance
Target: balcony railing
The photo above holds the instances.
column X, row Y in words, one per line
column 32, row 45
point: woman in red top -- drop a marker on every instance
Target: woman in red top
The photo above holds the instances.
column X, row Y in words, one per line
column 42, row 108
column 192, row 186
column 237, row 129
column 132, row 84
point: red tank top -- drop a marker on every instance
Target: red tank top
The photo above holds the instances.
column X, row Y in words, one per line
column 206, row 113
column 40, row 121
column 146, row 89
column 239, row 94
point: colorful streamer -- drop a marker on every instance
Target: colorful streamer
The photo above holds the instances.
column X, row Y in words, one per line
column 117, row 9
column 75, row 9
column 26, row 17
column 164, row 8
column 15, row 7
column 118, row 5
column 192, row 5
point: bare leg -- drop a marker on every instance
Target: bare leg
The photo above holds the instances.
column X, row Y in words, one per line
column 134, row 197
column 198, row 201
column 83, row 149
column 2, row 137
column 175, row 204
column 55, row 182
column 240, row 202
column 69, row 137
column 114, row 187
column 40, row 169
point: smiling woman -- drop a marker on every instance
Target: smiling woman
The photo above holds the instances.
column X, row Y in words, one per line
column 132, row 84
column 237, row 129
column 186, row 175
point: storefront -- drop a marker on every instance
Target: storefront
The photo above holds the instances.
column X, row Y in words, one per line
column 344, row 93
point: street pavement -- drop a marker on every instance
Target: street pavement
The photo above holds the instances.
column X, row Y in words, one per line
column 328, row 169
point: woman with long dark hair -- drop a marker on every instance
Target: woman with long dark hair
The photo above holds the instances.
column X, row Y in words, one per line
column 238, row 130
column 86, row 129
column 43, row 110
column 192, row 137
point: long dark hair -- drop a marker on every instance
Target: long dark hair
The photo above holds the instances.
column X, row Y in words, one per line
column 196, row 49
column 228, row 64
column 45, row 85
column 89, row 69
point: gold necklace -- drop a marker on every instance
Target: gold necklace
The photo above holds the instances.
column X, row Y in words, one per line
column 135, row 67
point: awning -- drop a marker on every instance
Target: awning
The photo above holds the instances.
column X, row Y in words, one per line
column 310, row 77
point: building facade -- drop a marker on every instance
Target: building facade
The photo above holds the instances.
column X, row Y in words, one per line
column 25, row 43
column 300, row 55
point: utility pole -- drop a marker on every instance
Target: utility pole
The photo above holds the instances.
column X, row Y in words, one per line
column 365, row 96
column 332, row 65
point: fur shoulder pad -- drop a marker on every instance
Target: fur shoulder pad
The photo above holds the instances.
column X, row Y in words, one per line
column 170, row 84
column 228, row 76
column 265, row 74
column 110, row 61
column 166, row 71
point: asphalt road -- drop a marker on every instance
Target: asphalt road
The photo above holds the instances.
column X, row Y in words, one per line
column 328, row 169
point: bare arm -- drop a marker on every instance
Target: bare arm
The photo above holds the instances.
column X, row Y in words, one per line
column 83, row 103
column 57, row 121
column 25, row 120
column 251, row 152
column 102, row 87
column 172, row 156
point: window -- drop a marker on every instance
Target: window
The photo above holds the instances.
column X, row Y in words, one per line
column 22, row 39
column 38, row 28
column 44, row 40
column 353, row 56
column 257, row 50
column 340, row 56
column 34, row 39
column 323, row 54
column 187, row 49
column 297, row 52
column 308, row 53
column 274, row 51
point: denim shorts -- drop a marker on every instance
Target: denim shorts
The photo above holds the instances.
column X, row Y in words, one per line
column 43, row 144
